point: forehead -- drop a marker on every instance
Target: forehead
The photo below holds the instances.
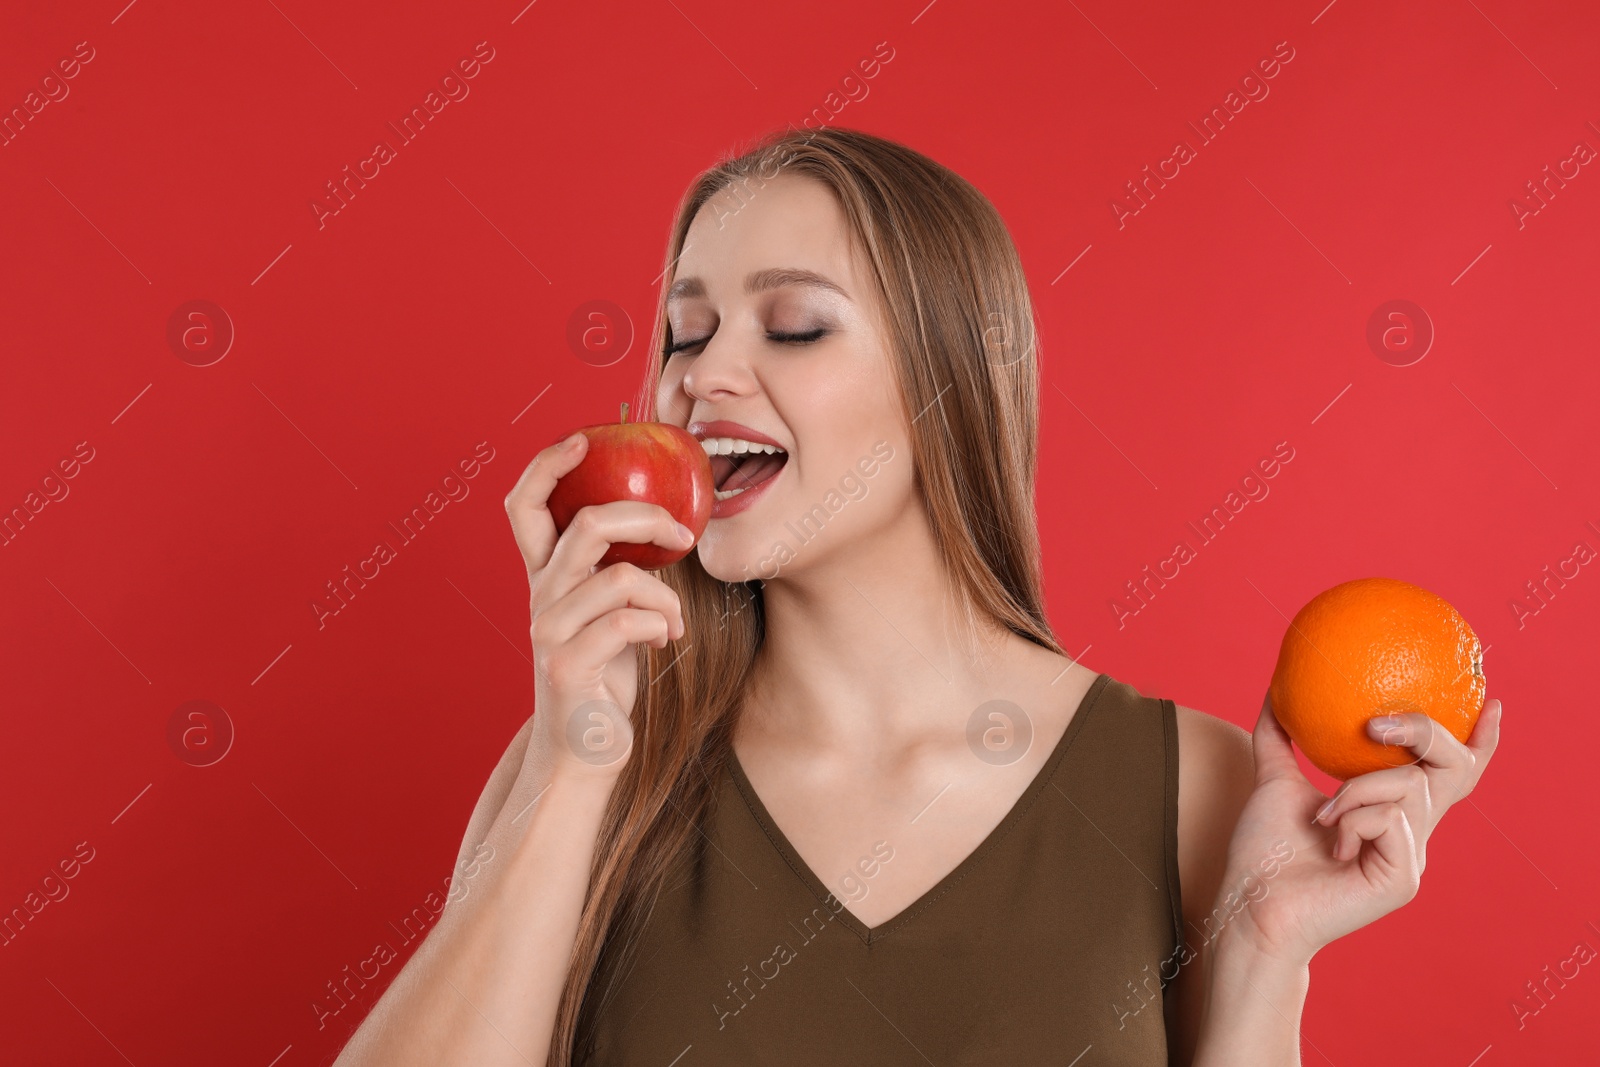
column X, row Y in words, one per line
column 788, row 221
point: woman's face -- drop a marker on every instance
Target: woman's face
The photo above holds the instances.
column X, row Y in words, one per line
column 776, row 328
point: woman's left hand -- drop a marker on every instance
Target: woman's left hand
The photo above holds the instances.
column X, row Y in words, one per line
column 1357, row 860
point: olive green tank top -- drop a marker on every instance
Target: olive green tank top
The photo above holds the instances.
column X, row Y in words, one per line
column 1047, row 944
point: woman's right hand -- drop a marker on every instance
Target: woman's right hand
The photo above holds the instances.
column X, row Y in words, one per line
column 587, row 622
column 516, row 904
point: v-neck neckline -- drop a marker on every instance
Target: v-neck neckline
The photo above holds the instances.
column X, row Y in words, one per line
column 820, row 890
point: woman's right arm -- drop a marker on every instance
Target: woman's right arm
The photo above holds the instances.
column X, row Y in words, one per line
column 483, row 987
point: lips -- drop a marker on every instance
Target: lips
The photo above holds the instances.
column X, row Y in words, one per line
column 725, row 428
column 744, row 461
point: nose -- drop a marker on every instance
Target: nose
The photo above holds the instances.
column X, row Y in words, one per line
column 719, row 372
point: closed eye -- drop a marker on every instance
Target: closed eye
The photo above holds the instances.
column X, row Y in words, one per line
column 806, row 338
column 809, row 337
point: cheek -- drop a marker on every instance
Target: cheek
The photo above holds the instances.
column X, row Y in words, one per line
column 839, row 410
column 863, row 477
column 865, row 456
column 669, row 394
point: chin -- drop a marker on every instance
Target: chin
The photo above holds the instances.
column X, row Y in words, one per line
column 749, row 544
column 738, row 557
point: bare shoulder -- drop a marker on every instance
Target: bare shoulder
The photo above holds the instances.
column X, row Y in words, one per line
column 1216, row 774
column 1209, row 747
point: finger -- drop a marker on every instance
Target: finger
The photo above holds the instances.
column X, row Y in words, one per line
column 581, row 662
column 594, row 528
column 621, row 585
column 1485, row 737
column 526, row 504
column 1481, row 743
column 1406, row 786
column 1274, row 753
column 1424, row 738
column 1386, row 827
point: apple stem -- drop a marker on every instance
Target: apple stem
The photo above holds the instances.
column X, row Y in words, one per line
column 624, row 411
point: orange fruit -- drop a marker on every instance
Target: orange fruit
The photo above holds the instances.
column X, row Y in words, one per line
column 1374, row 646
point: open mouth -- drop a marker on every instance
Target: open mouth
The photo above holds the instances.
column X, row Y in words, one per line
column 738, row 465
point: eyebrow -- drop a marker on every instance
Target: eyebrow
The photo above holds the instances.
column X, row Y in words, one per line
column 759, row 281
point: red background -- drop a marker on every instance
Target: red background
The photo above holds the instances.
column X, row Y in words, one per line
column 373, row 353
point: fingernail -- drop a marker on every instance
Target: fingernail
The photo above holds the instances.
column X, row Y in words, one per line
column 1383, row 722
column 1327, row 807
column 685, row 534
column 573, row 440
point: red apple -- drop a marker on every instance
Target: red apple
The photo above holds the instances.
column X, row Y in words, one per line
column 650, row 461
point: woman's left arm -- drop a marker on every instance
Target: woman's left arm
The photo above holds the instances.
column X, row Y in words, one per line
column 1302, row 871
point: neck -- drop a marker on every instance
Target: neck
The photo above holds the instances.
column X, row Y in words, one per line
column 867, row 648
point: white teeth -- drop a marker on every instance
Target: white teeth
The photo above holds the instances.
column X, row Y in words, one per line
column 728, row 446
column 735, row 446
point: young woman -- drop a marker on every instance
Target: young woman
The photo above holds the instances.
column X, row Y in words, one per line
column 828, row 790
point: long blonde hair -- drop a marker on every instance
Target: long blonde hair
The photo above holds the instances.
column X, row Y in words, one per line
column 963, row 341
